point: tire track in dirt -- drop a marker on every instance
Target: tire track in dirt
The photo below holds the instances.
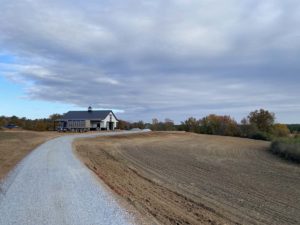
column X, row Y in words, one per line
column 222, row 180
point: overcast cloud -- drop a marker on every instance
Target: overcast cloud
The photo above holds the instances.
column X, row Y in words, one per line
column 153, row 58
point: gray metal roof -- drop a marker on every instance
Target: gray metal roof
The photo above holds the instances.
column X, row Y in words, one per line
column 86, row 115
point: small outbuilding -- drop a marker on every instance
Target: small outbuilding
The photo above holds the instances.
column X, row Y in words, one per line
column 88, row 120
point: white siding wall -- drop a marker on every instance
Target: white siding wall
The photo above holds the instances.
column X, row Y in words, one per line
column 106, row 121
column 88, row 124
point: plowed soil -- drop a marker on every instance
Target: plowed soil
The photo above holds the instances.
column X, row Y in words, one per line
column 183, row 178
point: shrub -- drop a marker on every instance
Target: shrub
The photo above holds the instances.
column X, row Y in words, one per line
column 191, row 125
column 297, row 136
column 219, row 125
column 280, row 130
column 288, row 148
column 262, row 136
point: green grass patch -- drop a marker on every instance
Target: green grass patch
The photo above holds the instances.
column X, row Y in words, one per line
column 288, row 148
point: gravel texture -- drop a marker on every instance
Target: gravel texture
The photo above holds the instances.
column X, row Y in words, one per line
column 52, row 187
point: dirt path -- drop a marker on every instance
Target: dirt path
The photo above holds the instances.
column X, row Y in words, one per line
column 52, row 187
column 197, row 179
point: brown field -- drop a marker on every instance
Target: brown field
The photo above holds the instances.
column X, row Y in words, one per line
column 15, row 145
column 182, row 178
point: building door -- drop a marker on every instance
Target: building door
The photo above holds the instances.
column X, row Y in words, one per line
column 111, row 125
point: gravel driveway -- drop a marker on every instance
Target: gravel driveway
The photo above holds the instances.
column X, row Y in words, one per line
column 52, row 187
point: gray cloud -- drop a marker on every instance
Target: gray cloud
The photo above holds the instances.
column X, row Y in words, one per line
column 156, row 58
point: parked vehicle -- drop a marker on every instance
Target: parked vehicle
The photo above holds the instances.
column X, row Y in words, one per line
column 11, row 126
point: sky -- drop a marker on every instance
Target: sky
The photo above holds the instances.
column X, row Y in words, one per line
column 150, row 58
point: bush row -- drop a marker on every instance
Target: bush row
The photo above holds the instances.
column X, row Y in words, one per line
column 288, row 148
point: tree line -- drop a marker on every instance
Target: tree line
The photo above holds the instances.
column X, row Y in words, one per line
column 259, row 124
column 46, row 124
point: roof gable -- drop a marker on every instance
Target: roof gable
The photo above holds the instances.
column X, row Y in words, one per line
column 86, row 115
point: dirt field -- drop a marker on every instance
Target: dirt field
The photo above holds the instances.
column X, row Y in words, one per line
column 181, row 178
column 15, row 145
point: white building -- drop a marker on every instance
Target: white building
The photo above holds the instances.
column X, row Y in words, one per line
column 88, row 120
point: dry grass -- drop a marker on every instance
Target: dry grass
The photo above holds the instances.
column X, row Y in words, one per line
column 181, row 178
column 15, row 145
